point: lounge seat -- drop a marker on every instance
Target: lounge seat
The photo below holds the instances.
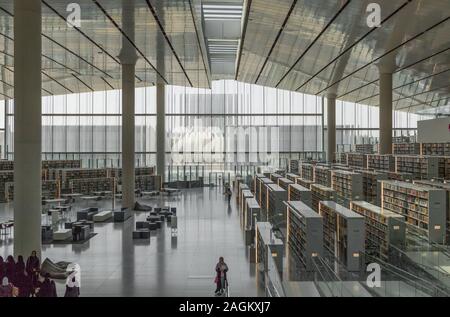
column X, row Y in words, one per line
column 121, row 216
column 87, row 214
column 141, row 234
column 103, row 216
column 62, row 234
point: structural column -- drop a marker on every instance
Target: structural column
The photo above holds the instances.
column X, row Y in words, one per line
column 27, row 127
column 128, row 59
column 160, row 129
column 128, row 135
column 331, row 126
column 385, row 112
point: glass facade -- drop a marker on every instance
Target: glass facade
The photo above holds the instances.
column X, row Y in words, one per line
column 233, row 127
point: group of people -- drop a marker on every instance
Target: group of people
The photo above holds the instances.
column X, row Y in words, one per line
column 20, row 279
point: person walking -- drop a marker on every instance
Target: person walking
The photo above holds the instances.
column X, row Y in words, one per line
column 221, row 276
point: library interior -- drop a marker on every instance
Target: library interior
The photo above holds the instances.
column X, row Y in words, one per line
column 224, row 148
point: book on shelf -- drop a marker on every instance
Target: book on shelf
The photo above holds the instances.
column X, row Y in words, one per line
column 371, row 188
column 299, row 193
column 304, row 182
column 356, row 160
column 343, row 234
column 88, row 186
column 348, row 186
column 49, row 190
column 252, row 213
column 443, row 186
column 381, row 162
column 422, row 206
column 276, row 211
column 304, row 233
column 285, row 182
column 421, row 167
column 323, row 175
column 383, row 228
column 406, row 148
column 307, row 171
column 439, row 149
column 274, row 177
column 364, row 148
column 321, row 193
column 294, row 166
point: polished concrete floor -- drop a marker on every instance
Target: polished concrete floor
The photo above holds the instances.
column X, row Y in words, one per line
column 112, row 264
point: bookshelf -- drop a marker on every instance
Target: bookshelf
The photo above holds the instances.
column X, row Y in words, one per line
column 255, row 184
column 383, row 228
column 356, row 160
column 292, row 177
column 148, row 182
column 245, row 194
column 87, row 186
column 348, row 186
column 406, row 148
column 443, row 186
column 6, row 165
column 341, row 158
column 65, row 176
column 61, row 164
column 421, row 167
column 284, row 183
column 276, row 211
column 252, row 213
column 398, row 176
column 300, row 193
column 422, row 206
column 304, row 233
column 262, row 199
column 323, row 175
column 5, row 178
column 307, row 171
column 364, row 148
column 304, row 182
column 274, row 177
column 242, row 186
column 321, row 193
column 294, row 166
column 138, row 171
column 341, row 167
column 382, row 162
column 371, row 188
column 343, row 234
column 50, row 190
column 439, row 149
column 267, row 245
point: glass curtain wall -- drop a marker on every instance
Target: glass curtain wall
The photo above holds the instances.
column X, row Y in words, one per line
column 359, row 124
column 233, row 127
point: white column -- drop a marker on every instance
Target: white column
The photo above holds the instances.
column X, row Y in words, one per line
column 128, row 59
column 128, row 135
column 27, row 127
column 385, row 112
column 160, row 129
column 331, row 126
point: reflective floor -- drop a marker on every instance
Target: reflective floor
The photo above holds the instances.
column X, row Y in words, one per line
column 113, row 264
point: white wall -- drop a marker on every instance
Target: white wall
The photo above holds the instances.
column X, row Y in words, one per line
column 434, row 131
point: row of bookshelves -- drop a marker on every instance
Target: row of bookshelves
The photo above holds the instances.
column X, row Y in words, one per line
column 6, row 165
column 423, row 206
column 348, row 186
column 383, row 228
column 50, row 190
column 343, row 234
column 300, row 193
column 304, row 233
